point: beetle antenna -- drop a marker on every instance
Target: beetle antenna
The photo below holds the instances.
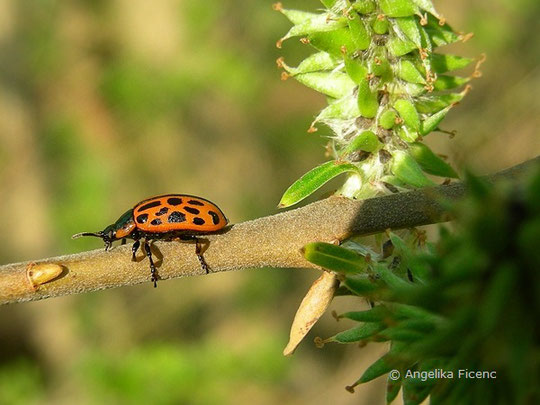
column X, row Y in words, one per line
column 78, row 235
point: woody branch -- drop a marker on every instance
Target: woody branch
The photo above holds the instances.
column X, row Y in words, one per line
column 273, row 241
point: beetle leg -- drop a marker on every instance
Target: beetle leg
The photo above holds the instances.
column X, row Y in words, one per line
column 134, row 249
column 198, row 252
column 148, row 252
column 124, row 240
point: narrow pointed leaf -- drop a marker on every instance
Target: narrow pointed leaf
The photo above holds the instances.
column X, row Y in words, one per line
column 432, row 122
column 391, row 280
column 407, row 134
column 431, row 105
column 366, row 141
column 334, row 258
column 310, row 23
column 409, row 26
column 359, row 33
column 449, row 82
column 445, row 63
column 430, row 162
column 333, row 84
column 408, row 72
column 358, row 333
column 407, row 170
column 344, row 108
column 408, row 112
column 440, row 35
column 398, row 8
column 364, row 6
column 387, row 119
column 314, row 63
column 426, row 5
column 399, row 47
column 313, row 180
column 392, row 389
column 375, row 314
column 380, row 26
column 356, row 69
column 378, row 368
column 333, row 42
column 360, row 286
column 367, row 100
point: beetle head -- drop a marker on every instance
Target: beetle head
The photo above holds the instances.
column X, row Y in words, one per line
column 108, row 235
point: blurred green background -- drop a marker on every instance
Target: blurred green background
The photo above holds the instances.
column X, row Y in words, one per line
column 104, row 103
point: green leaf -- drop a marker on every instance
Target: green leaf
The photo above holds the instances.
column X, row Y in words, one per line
column 407, row 170
column 398, row 8
column 399, row 47
column 409, row 26
column 364, row 6
column 391, row 280
column 366, row 141
column 358, row 333
column 430, row 162
column 359, row 33
column 392, row 389
column 446, row 63
column 328, row 3
column 433, row 121
column 415, row 394
column 380, row 25
column 334, row 258
column 444, row 82
column 367, row 100
column 333, row 84
column 310, row 23
column 313, row 180
column 375, row 314
column 333, row 42
column 407, row 134
column 384, row 364
column 401, row 335
column 313, row 63
column 426, row 5
column 344, row 108
column 408, row 72
column 378, row 368
column 433, row 104
column 381, row 67
column 360, row 286
column 408, row 112
column 440, row 35
column 298, row 16
column 387, row 119
column 355, row 69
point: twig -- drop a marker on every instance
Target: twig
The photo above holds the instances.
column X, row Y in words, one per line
column 273, row 241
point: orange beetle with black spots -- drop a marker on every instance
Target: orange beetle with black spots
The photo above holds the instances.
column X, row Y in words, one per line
column 165, row 217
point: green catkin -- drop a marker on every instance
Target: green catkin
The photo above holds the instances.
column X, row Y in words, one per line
column 377, row 62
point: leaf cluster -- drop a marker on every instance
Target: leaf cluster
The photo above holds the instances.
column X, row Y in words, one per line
column 470, row 302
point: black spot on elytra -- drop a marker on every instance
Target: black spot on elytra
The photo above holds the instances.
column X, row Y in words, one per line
column 156, row 221
column 215, row 217
column 141, row 219
column 149, row 205
column 176, row 217
column 174, row 201
column 195, row 202
column 162, row 211
column 198, row 221
column 192, row 210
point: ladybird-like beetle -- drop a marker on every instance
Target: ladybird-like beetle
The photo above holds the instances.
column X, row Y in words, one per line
column 165, row 217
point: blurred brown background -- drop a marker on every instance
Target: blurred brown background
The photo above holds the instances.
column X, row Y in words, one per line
column 104, row 103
